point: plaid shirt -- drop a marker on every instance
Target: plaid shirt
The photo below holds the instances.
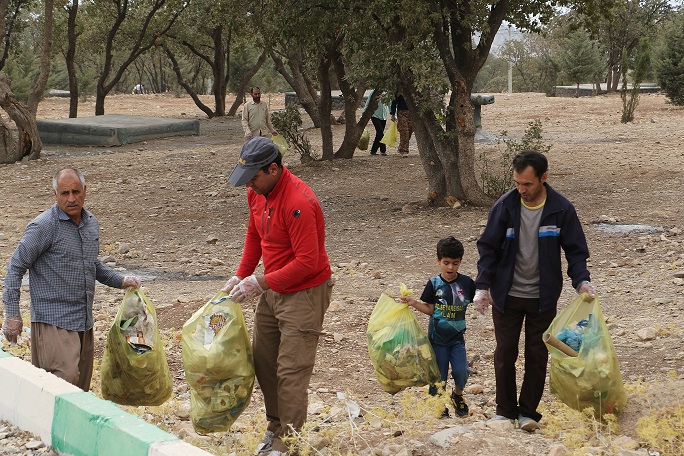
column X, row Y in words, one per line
column 61, row 258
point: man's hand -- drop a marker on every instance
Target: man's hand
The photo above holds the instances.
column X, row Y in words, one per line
column 12, row 327
column 587, row 287
column 394, row 118
column 131, row 281
column 248, row 288
column 481, row 301
column 230, row 284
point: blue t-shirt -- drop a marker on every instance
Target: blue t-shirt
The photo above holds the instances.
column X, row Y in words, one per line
column 447, row 322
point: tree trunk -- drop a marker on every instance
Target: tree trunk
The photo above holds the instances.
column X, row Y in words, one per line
column 219, row 70
column 463, row 177
column 303, row 86
column 352, row 99
column 70, row 57
column 188, row 88
column 616, row 78
column 240, row 93
column 324, row 109
column 36, row 94
column 29, row 143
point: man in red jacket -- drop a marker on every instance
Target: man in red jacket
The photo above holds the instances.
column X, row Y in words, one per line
column 287, row 230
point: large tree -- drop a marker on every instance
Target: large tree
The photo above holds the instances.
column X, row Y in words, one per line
column 622, row 26
column 206, row 35
column 26, row 142
column 457, row 36
column 670, row 61
column 120, row 31
column 312, row 47
column 580, row 58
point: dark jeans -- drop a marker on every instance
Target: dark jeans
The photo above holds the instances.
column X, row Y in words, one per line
column 379, row 125
column 454, row 355
column 507, row 328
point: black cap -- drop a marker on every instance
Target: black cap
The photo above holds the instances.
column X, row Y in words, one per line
column 255, row 154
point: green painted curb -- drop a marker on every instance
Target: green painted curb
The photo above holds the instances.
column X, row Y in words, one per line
column 4, row 355
column 85, row 425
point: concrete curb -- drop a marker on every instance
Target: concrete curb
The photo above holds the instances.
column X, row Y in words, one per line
column 77, row 423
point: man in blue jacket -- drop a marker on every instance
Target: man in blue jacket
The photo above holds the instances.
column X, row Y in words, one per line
column 519, row 272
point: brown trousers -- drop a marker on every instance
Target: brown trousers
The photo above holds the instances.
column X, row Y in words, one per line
column 286, row 331
column 507, row 328
column 405, row 129
column 67, row 354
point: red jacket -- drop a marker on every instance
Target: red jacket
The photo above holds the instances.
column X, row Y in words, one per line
column 287, row 229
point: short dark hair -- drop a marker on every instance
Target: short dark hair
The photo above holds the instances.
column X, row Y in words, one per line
column 449, row 247
column 252, row 89
column 278, row 160
column 532, row 158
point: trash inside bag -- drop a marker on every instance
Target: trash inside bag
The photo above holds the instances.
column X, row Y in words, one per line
column 134, row 367
column 399, row 348
column 219, row 365
column 592, row 378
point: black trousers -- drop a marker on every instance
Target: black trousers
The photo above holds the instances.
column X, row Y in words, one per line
column 379, row 132
column 507, row 329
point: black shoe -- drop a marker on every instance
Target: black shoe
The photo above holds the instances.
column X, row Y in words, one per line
column 383, row 153
column 374, row 153
column 460, row 407
column 445, row 413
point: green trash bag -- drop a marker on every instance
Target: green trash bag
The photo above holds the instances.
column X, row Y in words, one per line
column 219, row 365
column 364, row 140
column 399, row 348
column 592, row 378
column 280, row 143
column 134, row 369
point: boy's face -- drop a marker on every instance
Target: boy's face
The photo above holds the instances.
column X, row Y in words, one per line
column 448, row 267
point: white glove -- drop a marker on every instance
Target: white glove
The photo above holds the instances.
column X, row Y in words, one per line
column 481, row 301
column 230, row 284
column 587, row 287
column 12, row 327
column 131, row 281
column 248, row 288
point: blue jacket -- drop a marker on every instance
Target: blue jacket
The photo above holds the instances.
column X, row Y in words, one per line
column 559, row 228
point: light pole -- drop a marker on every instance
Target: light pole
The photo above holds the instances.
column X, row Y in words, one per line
column 510, row 66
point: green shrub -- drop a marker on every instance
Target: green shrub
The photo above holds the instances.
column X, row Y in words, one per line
column 497, row 178
column 288, row 123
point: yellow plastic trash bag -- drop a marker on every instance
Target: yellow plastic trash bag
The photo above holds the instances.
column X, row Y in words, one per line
column 399, row 349
column 365, row 139
column 280, row 143
column 134, row 368
column 390, row 136
column 218, row 362
column 592, row 378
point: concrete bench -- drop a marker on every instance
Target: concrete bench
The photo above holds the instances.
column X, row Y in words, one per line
column 113, row 129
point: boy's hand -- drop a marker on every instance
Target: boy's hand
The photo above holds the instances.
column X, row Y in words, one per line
column 408, row 300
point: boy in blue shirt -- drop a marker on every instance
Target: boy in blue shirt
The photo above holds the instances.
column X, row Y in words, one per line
column 445, row 299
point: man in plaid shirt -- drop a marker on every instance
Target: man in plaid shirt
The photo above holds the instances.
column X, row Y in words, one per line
column 59, row 249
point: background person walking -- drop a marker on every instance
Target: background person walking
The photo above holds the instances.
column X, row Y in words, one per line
column 256, row 120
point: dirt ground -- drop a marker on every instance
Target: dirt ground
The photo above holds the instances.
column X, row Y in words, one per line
column 168, row 214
